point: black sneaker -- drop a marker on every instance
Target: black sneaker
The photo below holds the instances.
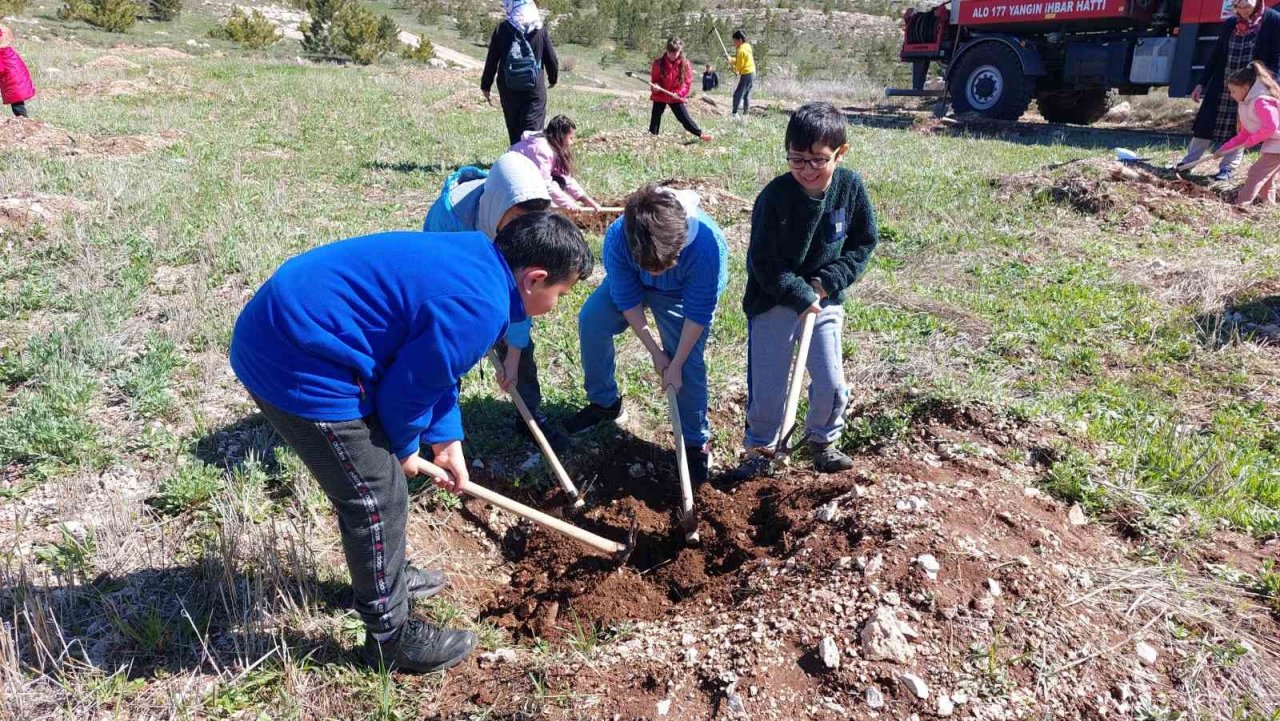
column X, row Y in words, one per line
column 592, row 416
column 558, row 441
column 423, row 583
column 419, row 647
column 755, row 463
column 829, row 459
column 699, row 458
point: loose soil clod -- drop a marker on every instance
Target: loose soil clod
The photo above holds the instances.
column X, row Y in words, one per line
column 39, row 136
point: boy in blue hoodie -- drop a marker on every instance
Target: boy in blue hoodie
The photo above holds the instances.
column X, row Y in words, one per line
column 668, row 255
column 353, row 351
column 475, row 199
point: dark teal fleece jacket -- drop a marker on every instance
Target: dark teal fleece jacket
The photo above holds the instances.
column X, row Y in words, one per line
column 796, row 238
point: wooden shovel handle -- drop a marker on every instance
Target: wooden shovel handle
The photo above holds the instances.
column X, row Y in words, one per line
column 797, row 374
column 538, row 437
column 682, row 459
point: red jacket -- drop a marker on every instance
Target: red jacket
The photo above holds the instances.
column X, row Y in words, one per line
column 15, row 79
column 676, row 77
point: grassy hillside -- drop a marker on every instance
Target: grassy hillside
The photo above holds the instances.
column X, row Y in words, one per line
column 1038, row 330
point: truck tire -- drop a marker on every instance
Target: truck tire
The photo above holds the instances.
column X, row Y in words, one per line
column 988, row 80
column 1076, row 107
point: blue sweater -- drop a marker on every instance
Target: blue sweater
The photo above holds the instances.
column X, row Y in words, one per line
column 382, row 324
column 699, row 277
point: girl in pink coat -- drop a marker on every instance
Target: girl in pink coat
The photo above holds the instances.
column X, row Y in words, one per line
column 1258, row 94
column 551, row 150
column 15, row 80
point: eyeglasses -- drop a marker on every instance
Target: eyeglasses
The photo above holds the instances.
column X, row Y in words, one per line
column 815, row 163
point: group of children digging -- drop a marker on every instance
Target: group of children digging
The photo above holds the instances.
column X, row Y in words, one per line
column 354, row 350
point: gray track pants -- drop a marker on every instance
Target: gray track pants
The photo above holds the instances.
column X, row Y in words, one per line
column 771, row 342
column 360, row 474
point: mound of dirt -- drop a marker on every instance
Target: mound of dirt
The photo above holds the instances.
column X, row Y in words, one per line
column 728, row 209
column 110, row 62
column 39, row 136
column 19, row 211
column 466, row 100
column 1131, row 195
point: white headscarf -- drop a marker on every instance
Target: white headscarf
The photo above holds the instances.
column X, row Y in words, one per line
column 523, row 14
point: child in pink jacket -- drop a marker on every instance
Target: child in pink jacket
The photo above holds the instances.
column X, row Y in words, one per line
column 552, row 151
column 1258, row 94
column 15, row 80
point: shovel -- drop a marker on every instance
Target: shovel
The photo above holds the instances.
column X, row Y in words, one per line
column 570, row 490
column 655, row 86
column 688, row 521
column 618, row 551
column 785, row 447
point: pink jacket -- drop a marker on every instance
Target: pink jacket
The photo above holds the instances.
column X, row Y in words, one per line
column 1259, row 122
column 15, row 79
column 534, row 146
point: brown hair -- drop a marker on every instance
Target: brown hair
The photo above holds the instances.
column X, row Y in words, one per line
column 557, row 132
column 686, row 70
column 655, row 225
column 1255, row 72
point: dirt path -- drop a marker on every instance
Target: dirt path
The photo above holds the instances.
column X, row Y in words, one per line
column 453, row 56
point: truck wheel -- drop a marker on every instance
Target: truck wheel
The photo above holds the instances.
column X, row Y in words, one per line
column 1077, row 107
column 989, row 81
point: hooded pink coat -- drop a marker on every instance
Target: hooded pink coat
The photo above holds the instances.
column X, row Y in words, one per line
column 15, row 79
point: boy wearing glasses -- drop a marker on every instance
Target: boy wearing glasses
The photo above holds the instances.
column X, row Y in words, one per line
column 812, row 233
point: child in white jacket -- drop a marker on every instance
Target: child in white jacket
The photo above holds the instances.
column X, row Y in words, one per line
column 1258, row 94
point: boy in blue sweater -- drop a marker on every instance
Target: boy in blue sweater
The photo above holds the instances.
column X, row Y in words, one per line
column 668, row 255
column 353, row 352
column 812, row 234
column 474, row 199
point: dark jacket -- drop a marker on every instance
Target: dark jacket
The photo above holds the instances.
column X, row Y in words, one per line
column 710, row 81
column 1266, row 49
column 796, row 238
column 500, row 43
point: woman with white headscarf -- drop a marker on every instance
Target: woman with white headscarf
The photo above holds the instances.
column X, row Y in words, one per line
column 523, row 61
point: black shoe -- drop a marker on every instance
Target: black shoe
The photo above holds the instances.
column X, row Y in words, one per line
column 699, row 458
column 558, row 441
column 423, row 583
column 592, row 416
column 829, row 459
column 419, row 647
column 755, row 463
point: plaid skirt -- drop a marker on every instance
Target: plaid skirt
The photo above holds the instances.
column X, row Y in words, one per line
column 1239, row 54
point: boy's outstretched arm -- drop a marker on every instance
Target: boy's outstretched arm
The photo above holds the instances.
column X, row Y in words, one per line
column 860, row 241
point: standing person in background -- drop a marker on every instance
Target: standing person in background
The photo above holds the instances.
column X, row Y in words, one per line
column 671, row 78
column 1251, row 33
column 744, row 64
column 15, row 80
column 520, row 52
column 710, row 80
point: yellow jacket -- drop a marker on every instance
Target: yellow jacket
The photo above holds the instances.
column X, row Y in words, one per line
column 745, row 62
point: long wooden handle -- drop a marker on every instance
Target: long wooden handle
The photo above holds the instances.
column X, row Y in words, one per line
column 682, row 460
column 797, row 374
column 551, row 523
column 538, row 437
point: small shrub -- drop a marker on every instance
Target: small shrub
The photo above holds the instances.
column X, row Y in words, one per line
column 70, row 557
column 251, row 30
column 165, row 10
column 421, row 54
column 12, row 7
column 473, row 21
column 114, row 16
column 191, row 488
column 429, row 11
column 361, row 35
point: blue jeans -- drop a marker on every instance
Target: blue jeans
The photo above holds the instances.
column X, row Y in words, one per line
column 600, row 320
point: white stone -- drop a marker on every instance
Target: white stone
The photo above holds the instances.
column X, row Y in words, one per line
column 1147, row 653
column 883, row 638
column 874, row 565
column 875, row 699
column 664, row 707
column 830, row 652
column 502, row 655
column 737, row 707
column 1075, row 515
column 930, row 566
column 1030, row 491
column 691, row 656
column 915, row 684
column 688, row 639
column 945, row 707
column 891, row 598
column 960, row 698
column 827, row 512
column 993, row 586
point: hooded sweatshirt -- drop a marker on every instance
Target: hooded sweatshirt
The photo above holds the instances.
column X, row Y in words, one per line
column 473, row 199
column 1259, row 122
column 698, row 278
column 535, row 146
column 372, row 326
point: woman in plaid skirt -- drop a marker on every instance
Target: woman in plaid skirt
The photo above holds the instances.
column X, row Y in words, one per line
column 1251, row 33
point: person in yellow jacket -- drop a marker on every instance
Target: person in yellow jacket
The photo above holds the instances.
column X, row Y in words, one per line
column 744, row 64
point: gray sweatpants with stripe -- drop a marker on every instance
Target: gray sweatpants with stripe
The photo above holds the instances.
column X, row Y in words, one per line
column 358, row 471
column 772, row 338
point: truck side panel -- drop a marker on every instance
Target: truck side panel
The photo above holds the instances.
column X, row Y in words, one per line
column 1024, row 13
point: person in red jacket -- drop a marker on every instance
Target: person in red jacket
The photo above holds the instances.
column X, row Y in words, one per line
column 671, row 77
column 15, row 80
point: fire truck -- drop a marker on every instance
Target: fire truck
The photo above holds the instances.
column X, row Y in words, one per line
column 1071, row 56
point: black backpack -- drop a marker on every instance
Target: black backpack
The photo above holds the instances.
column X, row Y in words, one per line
column 521, row 69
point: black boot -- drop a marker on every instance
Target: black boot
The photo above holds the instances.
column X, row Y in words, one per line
column 699, row 459
column 829, row 459
column 423, row 583
column 419, row 647
column 592, row 416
